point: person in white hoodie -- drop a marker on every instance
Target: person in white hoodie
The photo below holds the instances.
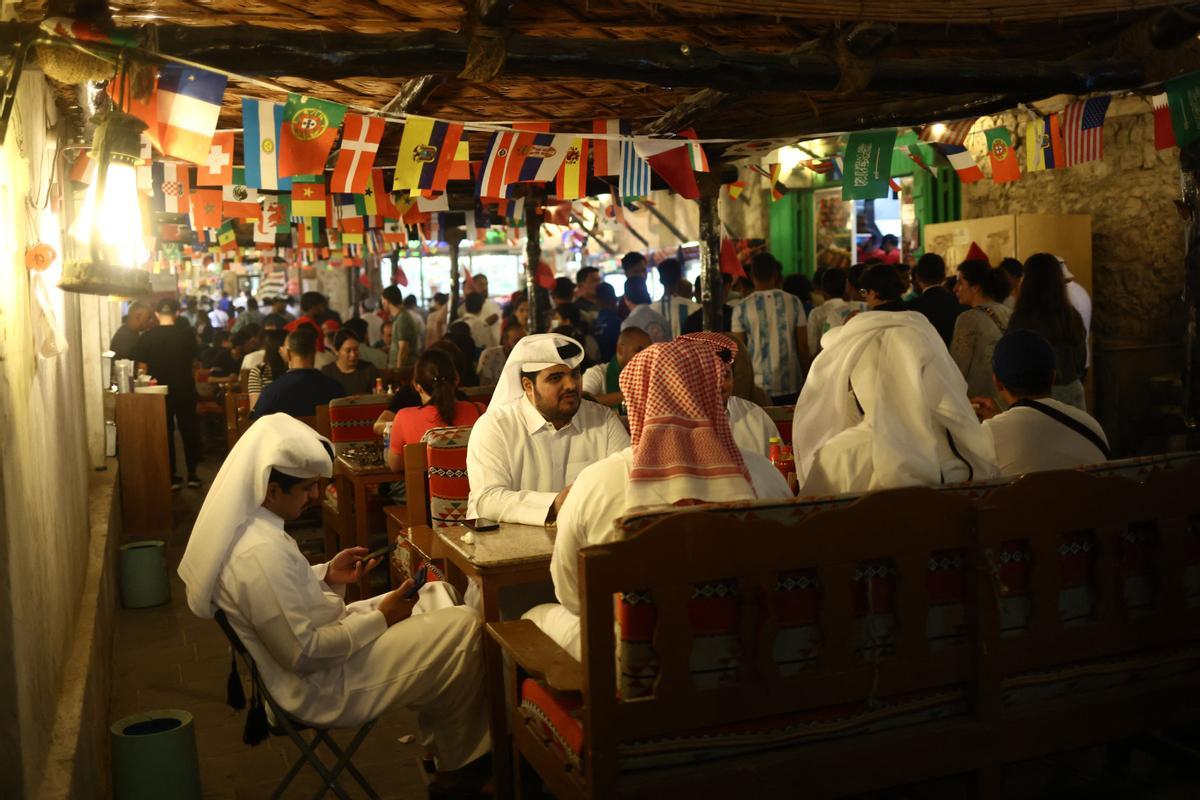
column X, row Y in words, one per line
column 885, row 406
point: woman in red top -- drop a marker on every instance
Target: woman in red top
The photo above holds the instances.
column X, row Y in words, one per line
column 436, row 381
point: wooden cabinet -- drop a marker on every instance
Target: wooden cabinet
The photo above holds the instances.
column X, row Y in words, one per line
column 144, row 469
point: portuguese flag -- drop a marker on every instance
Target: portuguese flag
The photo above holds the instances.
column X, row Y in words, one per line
column 310, row 128
column 1004, row 163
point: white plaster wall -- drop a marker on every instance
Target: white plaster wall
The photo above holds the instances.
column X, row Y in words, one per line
column 43, row 456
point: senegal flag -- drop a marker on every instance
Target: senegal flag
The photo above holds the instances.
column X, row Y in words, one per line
column 227, row 236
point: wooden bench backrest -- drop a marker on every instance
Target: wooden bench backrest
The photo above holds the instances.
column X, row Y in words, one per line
column 1111, row 524
column 416, row 484
column 672, row 555
column 237, row 416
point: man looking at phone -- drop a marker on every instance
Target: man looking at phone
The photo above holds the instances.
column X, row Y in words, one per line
column 328, row 663
column 537, row 434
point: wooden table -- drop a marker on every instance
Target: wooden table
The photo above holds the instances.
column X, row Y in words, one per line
column 354, row 486
column 508, row 556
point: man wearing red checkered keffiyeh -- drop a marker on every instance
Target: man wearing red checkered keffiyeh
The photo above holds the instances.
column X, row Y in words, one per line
column 752, row 427
column 682, row 451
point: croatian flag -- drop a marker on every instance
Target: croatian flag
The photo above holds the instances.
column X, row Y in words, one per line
column 261, row 123
column 172, row 195
column 189, row 102
column 635, row 172
column 1083, row 130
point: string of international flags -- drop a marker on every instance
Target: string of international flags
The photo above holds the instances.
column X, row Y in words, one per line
column 282, row 184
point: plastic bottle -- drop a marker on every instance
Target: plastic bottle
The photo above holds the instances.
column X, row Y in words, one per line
column 379, row 386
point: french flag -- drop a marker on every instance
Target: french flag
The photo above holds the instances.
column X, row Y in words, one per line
column 189, row 102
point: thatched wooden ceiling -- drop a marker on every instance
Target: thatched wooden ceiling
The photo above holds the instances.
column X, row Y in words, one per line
column 738, row 70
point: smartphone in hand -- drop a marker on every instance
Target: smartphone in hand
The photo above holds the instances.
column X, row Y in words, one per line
column 381, row 552
column 481, row 524
column 419, row 579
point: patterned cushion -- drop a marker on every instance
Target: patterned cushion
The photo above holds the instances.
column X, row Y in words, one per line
column 352, row 420
column 557, row 717
column 447, row 469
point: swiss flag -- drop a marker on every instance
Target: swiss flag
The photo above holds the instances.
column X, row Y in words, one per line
column 218, row 170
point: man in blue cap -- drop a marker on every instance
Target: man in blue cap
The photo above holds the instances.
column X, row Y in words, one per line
column 1037, row 432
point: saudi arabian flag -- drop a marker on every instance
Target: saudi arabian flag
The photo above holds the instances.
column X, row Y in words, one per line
column 868, row 165
column 1183, row 97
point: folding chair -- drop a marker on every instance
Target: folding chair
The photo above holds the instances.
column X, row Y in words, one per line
column 287, row 725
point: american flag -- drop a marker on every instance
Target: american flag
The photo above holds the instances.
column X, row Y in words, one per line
column 1083, row 130
column 947, row 132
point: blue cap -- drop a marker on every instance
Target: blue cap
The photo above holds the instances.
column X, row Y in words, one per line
column 1023, row 358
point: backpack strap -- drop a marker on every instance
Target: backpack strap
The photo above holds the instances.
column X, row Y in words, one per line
column 1070, row 422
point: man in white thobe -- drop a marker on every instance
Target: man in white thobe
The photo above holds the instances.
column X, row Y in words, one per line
column 884, row 406
column 663, row 385
column 752, row 428
column 327, row 663
column 537, row 434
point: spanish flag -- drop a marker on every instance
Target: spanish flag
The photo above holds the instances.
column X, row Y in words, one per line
column 572, row 175
column 427, row 151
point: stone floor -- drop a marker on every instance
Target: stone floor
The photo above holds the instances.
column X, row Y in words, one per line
column 168, row 658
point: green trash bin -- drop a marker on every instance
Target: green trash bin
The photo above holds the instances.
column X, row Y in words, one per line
column 144, row 581
column 154, row 756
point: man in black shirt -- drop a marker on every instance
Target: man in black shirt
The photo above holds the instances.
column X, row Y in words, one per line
column 302, row 388
column 166, row 353
column 137, row 320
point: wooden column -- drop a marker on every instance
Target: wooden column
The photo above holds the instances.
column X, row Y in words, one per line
column 1189, row 184
column 710, row 250
column 533, row 256
column 454, row 237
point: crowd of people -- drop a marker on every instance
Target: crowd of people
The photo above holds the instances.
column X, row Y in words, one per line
column 899, row 377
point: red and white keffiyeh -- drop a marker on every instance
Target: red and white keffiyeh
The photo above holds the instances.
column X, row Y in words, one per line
column 683, row 448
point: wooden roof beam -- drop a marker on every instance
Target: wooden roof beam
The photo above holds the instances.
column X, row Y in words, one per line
column 325, row 57
column 691, row 109
column 413, row 94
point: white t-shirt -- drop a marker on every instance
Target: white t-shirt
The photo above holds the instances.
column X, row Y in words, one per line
column 252, row 360
column 517, row 462
column 1028, row 440
column 829, row 315
column 594, row 380
column 769, row 320
column 752, row 427
column 649, row 320
column 675, row 311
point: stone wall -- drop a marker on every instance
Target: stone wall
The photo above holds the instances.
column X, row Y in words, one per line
column 1137, row 245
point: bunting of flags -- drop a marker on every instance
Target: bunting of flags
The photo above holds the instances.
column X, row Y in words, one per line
column 189, row 102
column 360, row 142
column 262, row 122
column 427, row 150
column 310, row 127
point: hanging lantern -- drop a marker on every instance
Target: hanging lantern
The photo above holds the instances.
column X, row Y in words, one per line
column 109, row 223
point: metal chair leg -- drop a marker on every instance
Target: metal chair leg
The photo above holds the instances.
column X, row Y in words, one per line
column 344, row 759
column 309, row 754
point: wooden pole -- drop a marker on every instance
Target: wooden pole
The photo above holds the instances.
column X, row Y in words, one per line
column 710, row 250
column 533, row 257
column 453, row 237
column 1189, row 184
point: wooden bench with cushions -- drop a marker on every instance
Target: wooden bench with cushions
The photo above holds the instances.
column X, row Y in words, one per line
column 849, row 644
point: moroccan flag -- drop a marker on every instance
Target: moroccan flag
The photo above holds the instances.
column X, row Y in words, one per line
column 308, row 196
column 310, row 127
column 730, row 263
column 172, row 195
column 206, row 209
column 189, row 102
column 238, row 199
column 378, row 198
column 1183, row 98
column 606, row 156
column 695, row 151
column 218, row 169
column 491, row 181
column 427, row 150
column 1164, row 136
column 227, row 236
column 262, row 123
column 360, row 142
column 1004, row 161
column 869, row 161
column 672, row 160
column 964, row 164
column 572, row 175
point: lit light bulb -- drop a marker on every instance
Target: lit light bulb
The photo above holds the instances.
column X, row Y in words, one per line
column 118, row 215
column 789, row 158
column 938, row 129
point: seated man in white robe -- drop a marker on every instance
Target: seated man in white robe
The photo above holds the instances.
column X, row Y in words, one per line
column 1037, row 432
column 329, row 663
column 682, row 451
column 884, row 406
column 752, row 428
column 537, row 434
